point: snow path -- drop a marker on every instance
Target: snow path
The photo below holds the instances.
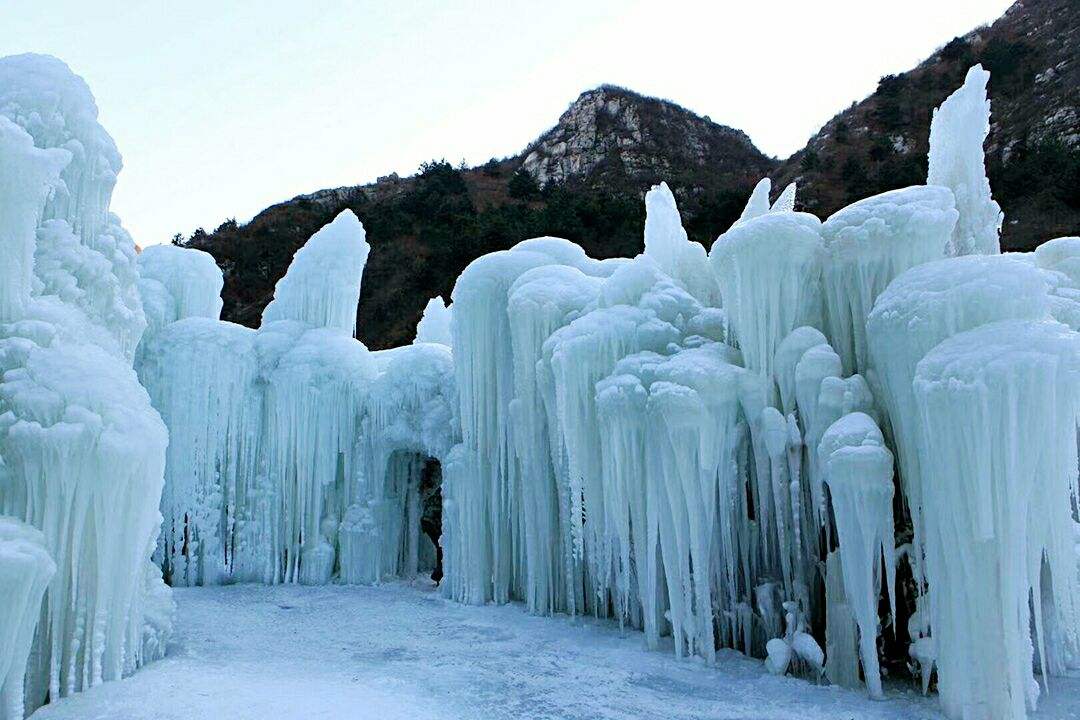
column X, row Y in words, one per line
column 396, row 651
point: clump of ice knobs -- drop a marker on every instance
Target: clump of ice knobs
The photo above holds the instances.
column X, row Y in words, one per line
column 796, row 646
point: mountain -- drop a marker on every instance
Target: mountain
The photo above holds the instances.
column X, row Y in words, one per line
column 1033, row 151
column 585, row 178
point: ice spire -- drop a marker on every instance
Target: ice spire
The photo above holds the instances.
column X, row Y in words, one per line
column 322, row 285
column 957, row 132
column 434, row 325
column 786, row 201
column 679, row 257
column 758, row 204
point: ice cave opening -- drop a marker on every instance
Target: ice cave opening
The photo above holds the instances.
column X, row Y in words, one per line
column 414, row 502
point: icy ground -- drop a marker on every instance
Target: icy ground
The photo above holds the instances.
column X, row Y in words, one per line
column 287, row 652
column 395, row 651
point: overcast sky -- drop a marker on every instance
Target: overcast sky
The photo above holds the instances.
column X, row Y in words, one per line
column 221, row 108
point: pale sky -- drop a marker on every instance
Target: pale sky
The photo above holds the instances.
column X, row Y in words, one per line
column 222, row 107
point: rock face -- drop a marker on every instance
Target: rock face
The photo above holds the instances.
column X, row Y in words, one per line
column 1033, row 151
column 610, row 132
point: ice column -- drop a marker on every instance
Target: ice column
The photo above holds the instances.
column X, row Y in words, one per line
column 919, row 309
column 200, row 374
column 998, row 408
column 869, row 243
column 858, row 470
column 769, row 269
column 541, row 301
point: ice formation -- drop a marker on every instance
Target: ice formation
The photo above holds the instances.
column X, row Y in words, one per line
column 998, row 406
column 716, row 463
column 82, row 451
column 758, row 204
column 175, row 283
column 296, row 455
column 1060, row 257
column 700, row 445
column 957, row 133
column 678, row 257
column 922, row 307
column 769, row 269
column 323, row 282
column 859, row 471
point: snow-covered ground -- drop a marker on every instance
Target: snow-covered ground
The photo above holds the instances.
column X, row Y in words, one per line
column 397, row 651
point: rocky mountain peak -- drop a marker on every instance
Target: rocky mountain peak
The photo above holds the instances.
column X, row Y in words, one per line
column 610, row 131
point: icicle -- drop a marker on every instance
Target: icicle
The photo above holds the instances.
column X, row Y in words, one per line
column 816, row 365
column 788, row 354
